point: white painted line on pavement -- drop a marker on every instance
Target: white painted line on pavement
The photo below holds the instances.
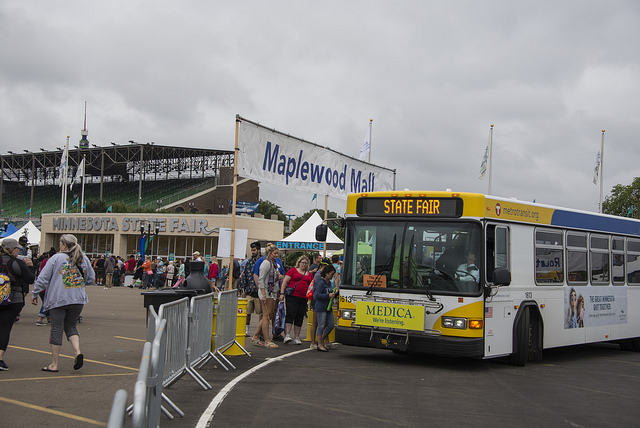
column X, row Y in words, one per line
column 207, row 416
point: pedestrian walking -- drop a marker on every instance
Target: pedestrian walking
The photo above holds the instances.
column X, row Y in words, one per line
column 18, row 274
column 64, row 279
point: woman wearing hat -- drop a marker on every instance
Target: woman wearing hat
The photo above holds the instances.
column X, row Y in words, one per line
column 64, row 277
column 20, row 277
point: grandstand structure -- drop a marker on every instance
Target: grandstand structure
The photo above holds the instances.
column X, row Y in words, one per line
column 146, row 176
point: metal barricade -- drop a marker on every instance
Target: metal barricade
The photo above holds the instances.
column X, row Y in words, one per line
column 175, row 361
column 140, row 389
column 200, row 326
column 154, row 381
column 118, row 410
column 226, row 313
column 157, row 338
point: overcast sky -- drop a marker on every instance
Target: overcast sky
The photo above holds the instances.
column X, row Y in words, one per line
column 433, row 76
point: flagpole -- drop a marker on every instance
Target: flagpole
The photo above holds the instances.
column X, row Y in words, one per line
column 326, row 216
column 370, row 132
column 63, row 176
column 233, row 206
column 601, row 169
column 84, row 161
column 490, row 156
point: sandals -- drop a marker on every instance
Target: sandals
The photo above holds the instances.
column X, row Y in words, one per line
column 78, row 362
column 271, row 345
column 258, row 342
column 47, row 369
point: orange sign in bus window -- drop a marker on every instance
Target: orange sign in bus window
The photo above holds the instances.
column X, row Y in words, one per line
column 374, row 281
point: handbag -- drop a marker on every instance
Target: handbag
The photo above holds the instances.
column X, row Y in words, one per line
column 6, row 293
column 289, row 290
column 278, row 323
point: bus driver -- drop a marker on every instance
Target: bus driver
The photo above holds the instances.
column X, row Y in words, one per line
column 473, row 274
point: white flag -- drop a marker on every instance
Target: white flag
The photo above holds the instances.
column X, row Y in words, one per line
column 366, row 147
column 483, row 165
column 64, row 165
column 596, row 169
column 79, row 174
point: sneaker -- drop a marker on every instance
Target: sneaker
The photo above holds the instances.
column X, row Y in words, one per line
column 3, row 365
column 287, row 339
column 313, row 346
column 41, row 323
column 297, row 341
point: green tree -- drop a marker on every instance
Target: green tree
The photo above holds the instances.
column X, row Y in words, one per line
column 624, row 200
column 96, row 206
column 267, row 209
column 335, row 226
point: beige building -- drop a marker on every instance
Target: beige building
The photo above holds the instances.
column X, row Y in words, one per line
column 178, row 235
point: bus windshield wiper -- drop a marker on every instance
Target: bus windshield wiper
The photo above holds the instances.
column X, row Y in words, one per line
column 426, row 288
column 374, row 283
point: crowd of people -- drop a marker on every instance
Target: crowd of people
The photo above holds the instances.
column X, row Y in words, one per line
column 153, row 272
column 314, row 285
column 59, row 277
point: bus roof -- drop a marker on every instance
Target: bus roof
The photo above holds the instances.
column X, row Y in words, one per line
column 478, row 205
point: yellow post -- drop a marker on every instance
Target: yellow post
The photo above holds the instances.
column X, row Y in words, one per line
column 332, row 335
column 241, row 320
column 213, row 330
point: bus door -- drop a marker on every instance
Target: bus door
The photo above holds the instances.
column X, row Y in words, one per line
column 498, row 307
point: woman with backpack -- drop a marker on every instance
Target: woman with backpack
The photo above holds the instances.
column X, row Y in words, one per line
column 64, row 277
column 16, row 276
column 323, row 295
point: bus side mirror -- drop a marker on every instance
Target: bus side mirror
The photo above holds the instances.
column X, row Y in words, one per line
column 321, row 232
column 501, row 276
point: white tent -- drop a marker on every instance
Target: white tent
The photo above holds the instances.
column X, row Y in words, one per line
column 307, row 232
column 32, row 232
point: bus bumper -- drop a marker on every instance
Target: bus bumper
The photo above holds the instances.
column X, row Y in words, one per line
column 415, row 342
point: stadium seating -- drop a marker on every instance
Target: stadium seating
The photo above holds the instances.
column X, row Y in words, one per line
column 16, row 197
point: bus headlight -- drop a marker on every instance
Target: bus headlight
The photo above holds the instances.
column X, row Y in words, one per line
column 348, row 314
column 451, row 322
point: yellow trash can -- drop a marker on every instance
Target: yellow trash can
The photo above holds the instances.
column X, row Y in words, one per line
column 332, row 335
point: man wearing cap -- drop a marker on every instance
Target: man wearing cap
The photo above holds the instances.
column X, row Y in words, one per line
column 24, row 252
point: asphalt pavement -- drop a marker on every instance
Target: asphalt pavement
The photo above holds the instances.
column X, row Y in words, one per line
column 112, row 336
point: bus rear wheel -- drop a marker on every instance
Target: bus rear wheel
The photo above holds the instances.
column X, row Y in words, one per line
column 631, row 344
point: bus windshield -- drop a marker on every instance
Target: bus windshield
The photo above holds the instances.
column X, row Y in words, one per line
column 435, row 257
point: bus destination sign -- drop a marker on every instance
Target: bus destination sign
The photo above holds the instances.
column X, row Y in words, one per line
column 410, row 207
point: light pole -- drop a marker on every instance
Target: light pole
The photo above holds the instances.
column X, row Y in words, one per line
column 145, row 240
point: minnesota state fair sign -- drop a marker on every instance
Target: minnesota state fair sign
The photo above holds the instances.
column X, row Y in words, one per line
column 270, row 156
column 390, row 315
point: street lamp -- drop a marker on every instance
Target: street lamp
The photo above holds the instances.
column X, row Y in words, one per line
column 145, row 239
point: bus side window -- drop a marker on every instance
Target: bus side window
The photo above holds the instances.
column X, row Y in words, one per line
column 502, row 245
column 497, row 249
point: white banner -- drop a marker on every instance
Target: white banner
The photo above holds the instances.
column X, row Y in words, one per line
column 239, row 240
column 272, row 157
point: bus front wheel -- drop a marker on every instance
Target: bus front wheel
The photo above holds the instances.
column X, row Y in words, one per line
column 522, row 340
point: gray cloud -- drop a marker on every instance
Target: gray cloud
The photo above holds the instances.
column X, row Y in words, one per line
column 432, row 75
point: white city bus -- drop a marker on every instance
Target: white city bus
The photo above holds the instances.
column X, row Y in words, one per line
column 479, row 276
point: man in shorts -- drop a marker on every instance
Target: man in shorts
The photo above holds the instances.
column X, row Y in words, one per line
column 247, row 285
